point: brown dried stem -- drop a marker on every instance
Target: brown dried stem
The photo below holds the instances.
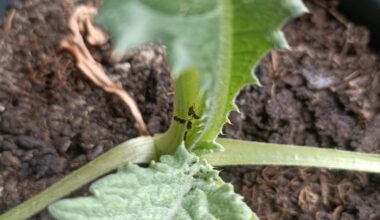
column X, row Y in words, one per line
column 80, row 23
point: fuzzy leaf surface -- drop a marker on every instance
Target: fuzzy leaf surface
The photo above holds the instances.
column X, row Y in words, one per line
column 180, row 187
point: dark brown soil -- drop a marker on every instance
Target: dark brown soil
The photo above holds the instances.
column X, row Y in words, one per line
column 53, row 119
column 322, row 93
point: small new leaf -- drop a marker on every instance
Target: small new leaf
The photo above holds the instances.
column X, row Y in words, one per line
column 180, row 187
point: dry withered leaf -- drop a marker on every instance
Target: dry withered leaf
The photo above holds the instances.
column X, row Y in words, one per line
column 81, row 23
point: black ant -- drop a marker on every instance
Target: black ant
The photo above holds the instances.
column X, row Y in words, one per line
column 189, row 124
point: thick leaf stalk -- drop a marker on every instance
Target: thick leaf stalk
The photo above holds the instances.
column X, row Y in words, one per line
column 249, row 153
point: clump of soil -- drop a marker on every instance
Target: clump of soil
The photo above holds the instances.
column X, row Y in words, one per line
column 322, row 93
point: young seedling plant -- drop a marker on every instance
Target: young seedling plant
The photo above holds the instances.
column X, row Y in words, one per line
column 213, row 47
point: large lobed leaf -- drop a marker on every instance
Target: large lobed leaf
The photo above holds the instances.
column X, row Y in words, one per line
column 217, row 41
column 179, row 187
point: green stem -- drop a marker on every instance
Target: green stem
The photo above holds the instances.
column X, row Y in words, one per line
column 137, row 150
column 255, row 153
column 142, row 150
column 185, row 96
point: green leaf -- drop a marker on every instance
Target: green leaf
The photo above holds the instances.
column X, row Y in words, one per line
column 218, row 41
column 179, row 187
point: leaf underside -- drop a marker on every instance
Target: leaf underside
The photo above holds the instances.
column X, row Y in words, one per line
column 217, row 41
column 180, row 187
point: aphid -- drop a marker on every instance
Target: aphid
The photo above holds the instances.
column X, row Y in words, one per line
column 179, row 120
column 185, row 135
column 191, row 113
column 189, row 125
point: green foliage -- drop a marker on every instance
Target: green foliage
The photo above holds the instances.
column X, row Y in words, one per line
column 179, row 187
column 217, row 41
column 213, row 45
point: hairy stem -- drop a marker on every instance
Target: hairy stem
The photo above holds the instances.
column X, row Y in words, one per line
column 138, row 150
column 256, row 153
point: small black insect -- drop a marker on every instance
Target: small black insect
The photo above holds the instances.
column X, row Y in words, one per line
column 189, row 125
column 189, row 121
column 185, row 135
column 192, row 113
column 179, row 120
